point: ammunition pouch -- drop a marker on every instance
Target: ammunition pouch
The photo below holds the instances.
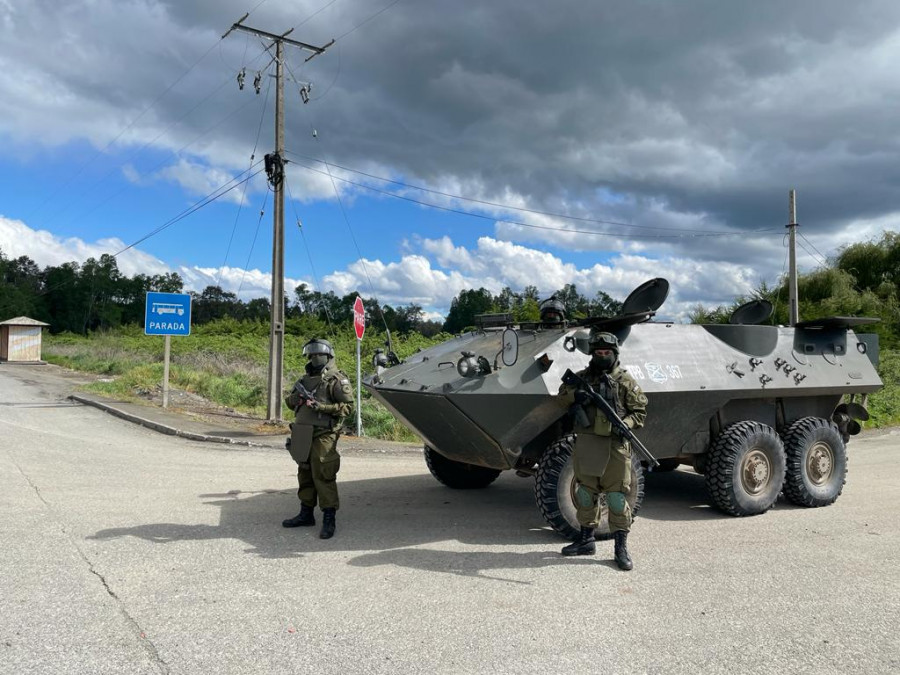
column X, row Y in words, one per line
column 602, row 425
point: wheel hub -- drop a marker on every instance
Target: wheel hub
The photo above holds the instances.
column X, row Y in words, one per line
column 756, row 472
column 820, row 463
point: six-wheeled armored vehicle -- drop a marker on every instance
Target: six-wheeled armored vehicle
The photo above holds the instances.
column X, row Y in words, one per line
column 757, row 409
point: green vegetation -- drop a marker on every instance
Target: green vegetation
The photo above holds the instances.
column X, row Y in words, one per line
column 884, row 405
column 225, row 361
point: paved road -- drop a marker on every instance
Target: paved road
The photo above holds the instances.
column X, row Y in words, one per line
column 124, row 551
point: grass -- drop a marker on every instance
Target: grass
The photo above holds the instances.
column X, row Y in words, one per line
column 225, row 362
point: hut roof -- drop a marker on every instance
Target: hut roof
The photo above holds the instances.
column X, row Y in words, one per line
column 23, row 321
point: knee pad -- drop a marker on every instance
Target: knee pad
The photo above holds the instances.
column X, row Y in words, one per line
column 583, row 496
column 616, row 502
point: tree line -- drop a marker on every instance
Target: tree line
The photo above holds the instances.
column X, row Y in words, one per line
column 96, row 295
column 862, row 279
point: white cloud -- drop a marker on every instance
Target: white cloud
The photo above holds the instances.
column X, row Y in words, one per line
column 429, row 278
column 45, row 248
column 201, row 180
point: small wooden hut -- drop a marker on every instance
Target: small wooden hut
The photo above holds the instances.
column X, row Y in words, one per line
column 20, row 340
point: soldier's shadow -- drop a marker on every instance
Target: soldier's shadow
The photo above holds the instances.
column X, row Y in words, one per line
column 404, row 519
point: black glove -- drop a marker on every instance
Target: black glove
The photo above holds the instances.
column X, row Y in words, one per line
column 582, row 397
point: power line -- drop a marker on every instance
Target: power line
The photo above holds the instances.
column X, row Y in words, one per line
column 262, row 212
column 621, row 235
column 176, row 154
column 314, row 14
column 824, row 257
column 135, row 152
column 312, row 266
column 211, row 197
column 365, row 21
column 813, row 255
column 244, row 191
column 221, row 191
column 134, row 121
column 518, row 208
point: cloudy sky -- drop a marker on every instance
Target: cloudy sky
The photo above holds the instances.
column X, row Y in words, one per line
column 452, row 145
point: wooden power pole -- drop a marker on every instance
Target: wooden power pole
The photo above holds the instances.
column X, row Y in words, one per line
column 275, row 170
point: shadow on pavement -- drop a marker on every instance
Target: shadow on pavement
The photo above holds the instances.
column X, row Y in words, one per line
column 677, row 495
column 404, row 519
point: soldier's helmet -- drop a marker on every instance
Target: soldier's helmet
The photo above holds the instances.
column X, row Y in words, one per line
column 603, row 340
column 318, row 346
column 552, row 310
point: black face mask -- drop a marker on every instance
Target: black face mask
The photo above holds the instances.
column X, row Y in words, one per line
column 316, row 363
column 602, row 364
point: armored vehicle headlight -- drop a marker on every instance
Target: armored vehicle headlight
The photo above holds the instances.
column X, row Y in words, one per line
column 467, row 366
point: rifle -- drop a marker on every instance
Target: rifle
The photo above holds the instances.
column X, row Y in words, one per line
column 305, row 395
column 571, row 379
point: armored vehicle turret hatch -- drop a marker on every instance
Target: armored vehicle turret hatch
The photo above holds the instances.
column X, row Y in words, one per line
column 755, row 408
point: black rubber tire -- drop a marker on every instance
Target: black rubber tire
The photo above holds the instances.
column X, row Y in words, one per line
column 739, row 443
column 822, row 437
column 666, row 465
column 458, row 475
column 554, row 485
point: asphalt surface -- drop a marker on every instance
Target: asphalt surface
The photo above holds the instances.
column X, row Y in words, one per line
column 124, row 550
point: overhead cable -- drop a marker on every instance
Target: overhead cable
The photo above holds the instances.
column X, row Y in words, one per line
column 622, row 235
column 522, row 209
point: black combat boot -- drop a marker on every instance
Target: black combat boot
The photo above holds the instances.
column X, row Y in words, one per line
column 623, row 560
column 327, row 524
column 584, row 545
column 302, row 519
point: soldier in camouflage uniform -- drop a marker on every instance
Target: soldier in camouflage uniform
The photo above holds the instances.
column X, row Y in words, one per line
column 321, row 399
column 603, row 459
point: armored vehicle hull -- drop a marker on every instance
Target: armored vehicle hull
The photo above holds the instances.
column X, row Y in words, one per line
column 757, row 409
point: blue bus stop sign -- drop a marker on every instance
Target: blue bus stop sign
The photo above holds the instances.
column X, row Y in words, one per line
column 167, row 314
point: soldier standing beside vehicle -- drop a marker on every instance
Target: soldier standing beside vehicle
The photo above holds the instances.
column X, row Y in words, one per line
column 603, row 459
column 321, row 399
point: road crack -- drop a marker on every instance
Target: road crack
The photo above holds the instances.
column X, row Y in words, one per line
column 144, row 641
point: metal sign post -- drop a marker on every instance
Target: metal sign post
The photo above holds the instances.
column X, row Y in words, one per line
column 167, row 314
column 359, row 325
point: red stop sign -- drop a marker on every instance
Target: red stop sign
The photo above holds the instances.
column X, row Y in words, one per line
column 359, row 318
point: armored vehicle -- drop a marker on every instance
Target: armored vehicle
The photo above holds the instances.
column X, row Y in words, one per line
column 757, row 409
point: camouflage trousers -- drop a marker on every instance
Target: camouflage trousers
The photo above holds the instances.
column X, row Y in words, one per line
column 615, row 482
column 318, row 478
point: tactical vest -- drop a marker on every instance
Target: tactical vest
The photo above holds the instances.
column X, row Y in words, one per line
column 320, row 386
column 610, row 388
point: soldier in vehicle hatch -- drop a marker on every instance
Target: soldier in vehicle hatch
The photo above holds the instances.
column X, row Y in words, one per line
column 321, row 399
column 603, row 459
column 553, row 311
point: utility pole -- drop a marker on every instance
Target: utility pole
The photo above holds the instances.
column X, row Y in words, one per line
column 275, row 171
column 792, row 226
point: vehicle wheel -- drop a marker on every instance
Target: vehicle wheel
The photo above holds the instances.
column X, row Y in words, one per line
column 745, row 470
column 554, row 490
column 666, row 465
column 816, row 462
column 458, row 475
